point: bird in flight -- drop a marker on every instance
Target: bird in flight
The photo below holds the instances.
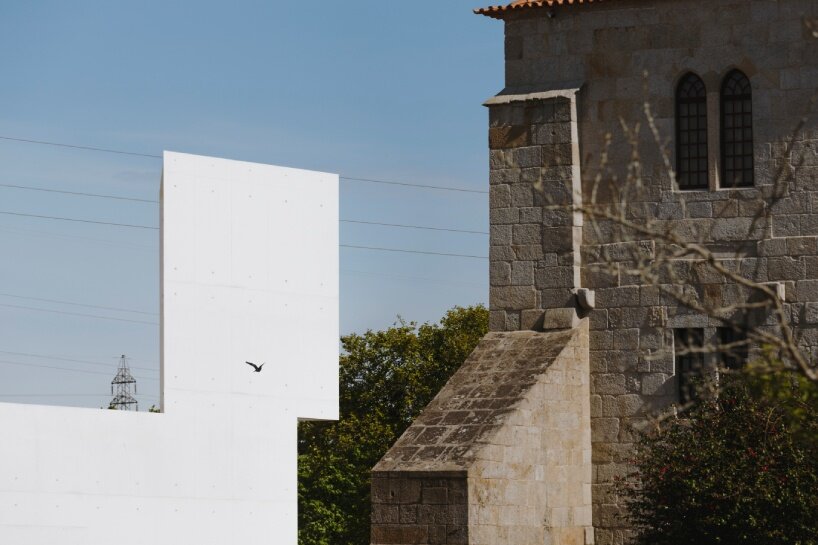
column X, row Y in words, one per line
column 256, row 368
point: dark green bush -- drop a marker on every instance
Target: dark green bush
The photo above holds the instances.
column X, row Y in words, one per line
column 386, row 378
column 739, row 469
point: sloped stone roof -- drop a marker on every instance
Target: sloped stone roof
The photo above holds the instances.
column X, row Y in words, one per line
column 500, row 12
column 476, row 401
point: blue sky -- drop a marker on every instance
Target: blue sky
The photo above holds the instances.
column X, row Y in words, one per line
column 373, row 89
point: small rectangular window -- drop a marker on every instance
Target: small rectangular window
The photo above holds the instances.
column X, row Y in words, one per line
column 689, row 361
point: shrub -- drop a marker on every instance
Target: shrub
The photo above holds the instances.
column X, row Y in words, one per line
column 742, row 468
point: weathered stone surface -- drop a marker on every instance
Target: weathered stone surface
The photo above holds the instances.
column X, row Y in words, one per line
column 503, row 450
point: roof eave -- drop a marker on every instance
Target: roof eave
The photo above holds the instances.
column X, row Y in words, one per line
column 503, row 11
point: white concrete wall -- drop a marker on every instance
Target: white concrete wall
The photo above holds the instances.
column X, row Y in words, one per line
column 249, row 272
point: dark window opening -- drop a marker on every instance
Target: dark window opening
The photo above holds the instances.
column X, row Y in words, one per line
column 691, row 133
column 736, row 131
column 732, row 348
column 689, row 362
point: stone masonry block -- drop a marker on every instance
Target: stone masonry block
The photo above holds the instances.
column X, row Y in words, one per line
column 500, row 273
column 552, row 133
column 522, row 273
column 811, row 313
column 617, row 297
column 500, row 196
column 772, row 247
column 532, row 214
column 656, row 384
column 554, row 155
column 531, row 156
column 532, row 319
column 557, row 239
column 522, row 195
column 500, row 235
column 785, row 268
column 802, row 246
column 560, row 318
column 557, row 298
column 498, row 216
column 604, row 430
column 526, row 234
column 609, row 384
column 807, row 290
column 512, row 297
column 509, row 136
column 554, row 277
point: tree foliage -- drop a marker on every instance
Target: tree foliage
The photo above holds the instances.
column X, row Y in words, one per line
column 738, row 469
column 386, row 378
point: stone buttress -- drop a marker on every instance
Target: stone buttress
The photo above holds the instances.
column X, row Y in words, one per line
column 501, row 456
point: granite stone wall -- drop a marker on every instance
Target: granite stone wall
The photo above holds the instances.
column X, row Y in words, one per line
column 546, row 137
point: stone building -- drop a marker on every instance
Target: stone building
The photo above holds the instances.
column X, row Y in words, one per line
column 522, row 445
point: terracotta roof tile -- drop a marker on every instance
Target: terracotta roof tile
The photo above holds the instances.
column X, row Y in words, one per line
column 499, row 12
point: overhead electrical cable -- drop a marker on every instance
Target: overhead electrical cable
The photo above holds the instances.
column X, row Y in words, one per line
column 76, row 220
column 411, row 251
column 406, row 226
column 119, row 309
column 412, row 278
column 74, row 360
column 86, row 371
column 78, row 193
column 78, row 314
column 74, row 146
column 157, row 228
column 51, row 234
column 153, row 156
column 72, row 395
column 362, row 222
column 421, row 186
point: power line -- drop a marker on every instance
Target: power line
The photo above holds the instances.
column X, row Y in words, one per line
column 36, row 233
column 79, row 304
column 342, row 245
column 78, row 193
column 58, row 358
column 405, row 226
column 412, row 278
column 421, row 186
column 400, row 225
column 411, row 251
column 66, row 369
column 78, row 314
column 152, row 156
column 86, row 148
column 70, row 395
column 76, row 220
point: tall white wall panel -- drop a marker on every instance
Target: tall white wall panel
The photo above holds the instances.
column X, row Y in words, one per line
column 249, row 272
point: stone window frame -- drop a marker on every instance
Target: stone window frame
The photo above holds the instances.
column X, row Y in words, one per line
column 713, row 84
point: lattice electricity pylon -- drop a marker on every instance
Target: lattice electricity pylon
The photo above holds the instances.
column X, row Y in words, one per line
column 123, row 398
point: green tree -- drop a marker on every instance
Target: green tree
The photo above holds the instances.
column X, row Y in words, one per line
column 386, row 378
column 738, row 469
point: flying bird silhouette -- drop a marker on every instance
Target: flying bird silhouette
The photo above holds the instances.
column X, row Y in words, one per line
column 256, row 368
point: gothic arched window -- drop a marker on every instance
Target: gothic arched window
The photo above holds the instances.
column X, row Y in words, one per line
column 736, row 131
column 691, row 133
